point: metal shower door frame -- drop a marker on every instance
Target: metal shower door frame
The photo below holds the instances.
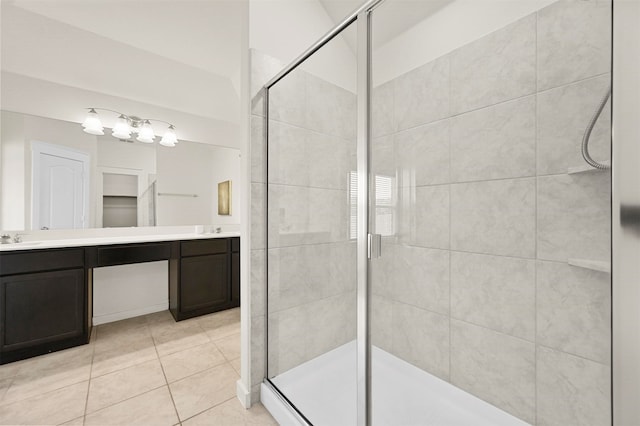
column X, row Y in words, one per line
column 362, row 18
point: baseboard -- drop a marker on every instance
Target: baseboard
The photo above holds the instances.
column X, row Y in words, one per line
column 243, row 394
column 117, row 316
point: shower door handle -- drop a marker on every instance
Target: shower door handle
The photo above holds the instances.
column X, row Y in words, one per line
column 374, row 246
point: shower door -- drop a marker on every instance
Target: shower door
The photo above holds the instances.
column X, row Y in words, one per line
column 490, row 303
column 311, row 234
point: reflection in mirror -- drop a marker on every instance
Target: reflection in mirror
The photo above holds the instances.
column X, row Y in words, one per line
column 59, row 177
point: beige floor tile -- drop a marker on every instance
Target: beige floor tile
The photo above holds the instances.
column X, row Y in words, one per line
column 4, row 386
column 7, row 371
column 123, row 384
column 221, row 324
column 109, row 339
column 170, row 338
column 159, row 317
column 235, row 363
column 181, row 364
column 202, row 391
column 229, row 346
column 122, row 325
column 51, row 408
column 151, row 408
column 79, row 421
column 232, row 413
column 108, row 359
column 49, row 372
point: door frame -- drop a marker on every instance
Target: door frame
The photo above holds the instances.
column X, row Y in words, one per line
column 38, row 148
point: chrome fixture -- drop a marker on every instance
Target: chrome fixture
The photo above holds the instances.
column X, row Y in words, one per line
column 127, row 124
column 587, row 134
column 5, row 239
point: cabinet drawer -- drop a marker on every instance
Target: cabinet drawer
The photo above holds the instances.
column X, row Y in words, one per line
column 202, row 247
column 134, row 253
column 40, row 260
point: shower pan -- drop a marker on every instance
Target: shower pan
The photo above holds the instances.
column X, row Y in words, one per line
column 437, row 250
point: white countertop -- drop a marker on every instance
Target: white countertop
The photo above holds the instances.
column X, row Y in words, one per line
column 101, row 241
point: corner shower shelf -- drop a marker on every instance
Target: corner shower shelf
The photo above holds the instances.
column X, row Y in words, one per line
column 585, row 169
column 594, row 265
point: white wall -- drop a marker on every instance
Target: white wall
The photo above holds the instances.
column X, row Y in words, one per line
column 127, row 291
column 18, row 131
column 284, row 29
column 451, row 27
column 195, row 168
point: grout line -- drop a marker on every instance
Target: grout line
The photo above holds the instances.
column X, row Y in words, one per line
column 93, row 355
column 167, row 381
column 535, row 241
column 197, row 414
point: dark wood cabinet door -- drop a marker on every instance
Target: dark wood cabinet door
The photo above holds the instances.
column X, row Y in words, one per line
column 204, row 282
column 235, row 279
column 41, row 307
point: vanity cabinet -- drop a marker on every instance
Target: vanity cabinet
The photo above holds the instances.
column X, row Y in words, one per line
column 207, row 273
column 46, row 294
column 42, row 303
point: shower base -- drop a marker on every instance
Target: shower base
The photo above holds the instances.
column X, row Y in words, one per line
column 324, row 390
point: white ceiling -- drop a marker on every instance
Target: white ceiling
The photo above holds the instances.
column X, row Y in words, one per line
column 390, row 19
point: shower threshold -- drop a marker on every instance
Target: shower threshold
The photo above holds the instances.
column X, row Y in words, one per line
column 324, row 390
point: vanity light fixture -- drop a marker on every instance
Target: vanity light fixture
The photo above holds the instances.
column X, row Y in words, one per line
column 128, row 124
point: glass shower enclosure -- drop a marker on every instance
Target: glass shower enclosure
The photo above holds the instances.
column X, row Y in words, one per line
column 437, row 247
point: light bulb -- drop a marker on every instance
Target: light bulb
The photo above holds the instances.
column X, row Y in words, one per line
column 169, row 138
column 121, row 130
column 145, row 134
column 92, row 124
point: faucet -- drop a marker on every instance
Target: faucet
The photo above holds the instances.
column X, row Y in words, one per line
column 5, row 239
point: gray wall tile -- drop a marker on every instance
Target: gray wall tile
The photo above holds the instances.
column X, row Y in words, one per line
column 495, row 142
column 494, row 217
column 382, row 323
column 574, row 312
column 257, row 349
column 423, row 154
column 287, row 333
column 422, row 95
column 424, row 216
column 571, row 390
column 332, row 323
column 574, row 216
column 258, row 155
column 563, row 116
column 382, row 107
column 288, row 99
column 258, row 215
column 495, row 367
column 422, row 278
column 421, row 338
column 329, row 160
column 330, row 109
column 288, row 155
column 494, row 292
column 573, row 41
column 495, row 68
column 258, row 282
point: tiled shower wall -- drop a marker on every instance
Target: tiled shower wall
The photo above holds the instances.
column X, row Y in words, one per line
column 474, row 284
column 311, row 260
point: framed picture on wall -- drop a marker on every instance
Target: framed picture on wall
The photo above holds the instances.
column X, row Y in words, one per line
column 224, row 198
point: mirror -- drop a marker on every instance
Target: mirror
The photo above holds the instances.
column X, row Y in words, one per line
column 57, row 61
column 55, row 176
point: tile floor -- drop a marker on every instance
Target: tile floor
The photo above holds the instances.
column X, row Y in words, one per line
column 148, row 370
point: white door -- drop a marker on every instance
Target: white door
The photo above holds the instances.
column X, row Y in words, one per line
column 58, row 190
